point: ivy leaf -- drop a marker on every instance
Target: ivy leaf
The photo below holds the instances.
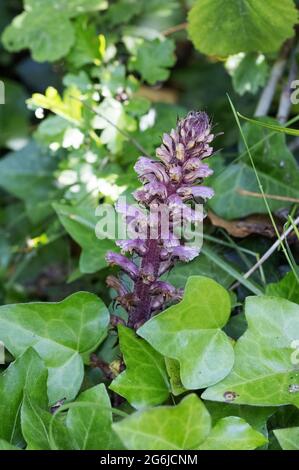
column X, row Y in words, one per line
column 26, row 373
column 144, row 382
column 185, row 426
column 4, row 445
column 45, row 27
column 266, row 370
column 190, row 332
column 152, row 60
column 90, row 424
column 181, row 427
column 242, row 26
column 287, row 287
column 233, row 433
column 80, row 223
column 61, row 333
column 257, row 417
column 288, row 438
column 36, row 421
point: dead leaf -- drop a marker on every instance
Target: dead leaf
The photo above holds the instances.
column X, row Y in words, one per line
column 258, row 224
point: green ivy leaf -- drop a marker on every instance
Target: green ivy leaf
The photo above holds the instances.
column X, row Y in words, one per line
column 36, row 421
column 242, row 26
column 90, row 424
column 80, row 223
column 184, row 426
column 190, row 332
column 61, row 333
column 144, row 382
column 152, row 60
column 233, row 433
column 257, row 417
column 288, row 438
column 266, row 371
column 45, row 27
column 26, row 373
column 4, row 445
column 287, row 288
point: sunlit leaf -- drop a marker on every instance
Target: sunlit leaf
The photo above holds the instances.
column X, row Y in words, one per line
column 190, row 332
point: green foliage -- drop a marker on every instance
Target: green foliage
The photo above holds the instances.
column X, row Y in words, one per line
column 264, row 372
column 287, row 288
column 62, row 334
column 89, row 421
column 288, row 438
column 152, row 58
column 190, row 332
column 277, row 170
column 106, row 80
column 144, row 382
column 28, row 175
column 186, row 426
column 242, row 26
column 13, row 116
column 249, row 72
column 80, row 223
column 45, row 27
column 27, row 374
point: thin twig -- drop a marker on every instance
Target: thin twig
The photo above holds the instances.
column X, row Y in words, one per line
column 268, row 253
column 121, row 131
column 175, row 29
column 285, row 103
column 277, row 71
column 275, row 197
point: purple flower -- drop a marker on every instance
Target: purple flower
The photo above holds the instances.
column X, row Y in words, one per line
column 168, row 184
column 115, row 259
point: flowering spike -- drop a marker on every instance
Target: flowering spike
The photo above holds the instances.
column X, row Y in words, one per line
column 168, row 185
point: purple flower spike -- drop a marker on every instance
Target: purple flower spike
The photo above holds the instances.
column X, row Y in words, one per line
column 167, row 185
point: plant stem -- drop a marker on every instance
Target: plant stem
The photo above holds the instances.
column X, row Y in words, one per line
column 277, row 71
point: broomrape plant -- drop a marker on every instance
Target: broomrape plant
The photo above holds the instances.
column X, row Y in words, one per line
column 170, row 186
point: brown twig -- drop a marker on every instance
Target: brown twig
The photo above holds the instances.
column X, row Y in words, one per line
column 275, row 197
column 175, row 29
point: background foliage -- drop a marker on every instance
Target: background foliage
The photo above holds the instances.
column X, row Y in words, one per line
column 90, row 86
